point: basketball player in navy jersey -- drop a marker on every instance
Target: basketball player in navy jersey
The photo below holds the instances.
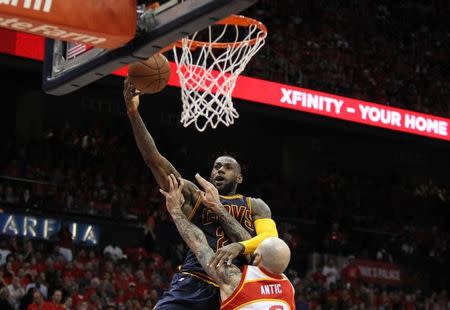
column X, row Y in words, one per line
column 233, row 224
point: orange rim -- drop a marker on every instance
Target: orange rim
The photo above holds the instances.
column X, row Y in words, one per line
column 237, row 20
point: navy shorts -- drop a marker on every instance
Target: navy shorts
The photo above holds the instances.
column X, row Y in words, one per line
column 188, row 292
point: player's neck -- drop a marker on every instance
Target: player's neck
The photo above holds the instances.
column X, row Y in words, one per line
column 230, row 193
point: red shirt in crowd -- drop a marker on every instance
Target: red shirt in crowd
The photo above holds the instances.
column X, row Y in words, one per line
column 319, row 277
column 142, row 291
column 77, row 299
column 313, row 304
column 351, row 273
column 25, row 281
column 52, row 306
column 39, row 267
column 333, row 297
column 410, row 306
column 59, row 266
column 89, row 292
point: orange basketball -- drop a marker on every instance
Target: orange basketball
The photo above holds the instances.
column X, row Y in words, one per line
column 150, row 76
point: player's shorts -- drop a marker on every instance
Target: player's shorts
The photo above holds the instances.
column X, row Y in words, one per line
column 189, row 292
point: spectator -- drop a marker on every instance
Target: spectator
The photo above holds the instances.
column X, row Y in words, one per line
column 16, row 292
column 78, row 296
column 330, row 272
column 4, row 252
column 351, row 273
column 28, row 252
column 383, row 254
column 83, row 306
column 149, row 233
column 65, row 242
column 131, row 292
column 114, row 252
column 5, row 299
column 27, row 299
column 39, row 285
column 55, row 303
column 38, row 301
column 68, row 303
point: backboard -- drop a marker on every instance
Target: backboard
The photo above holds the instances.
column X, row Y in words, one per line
column 68, row 66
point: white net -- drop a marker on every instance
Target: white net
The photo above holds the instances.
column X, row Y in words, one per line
column 208, row 73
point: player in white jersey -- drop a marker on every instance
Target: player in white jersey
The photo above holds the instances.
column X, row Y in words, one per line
column 261, row 285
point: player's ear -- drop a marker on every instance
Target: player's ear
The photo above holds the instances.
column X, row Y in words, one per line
column 239, row 179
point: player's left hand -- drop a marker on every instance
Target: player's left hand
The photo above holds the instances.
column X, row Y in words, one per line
column 210, row 194
column 174, row 197
column 226, row 254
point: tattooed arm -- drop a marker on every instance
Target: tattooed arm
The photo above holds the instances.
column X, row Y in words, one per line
column 210, row 197
column 227, row 276
column 265, row 228
column 157, row 163
column 232, row 228
column 243, row 243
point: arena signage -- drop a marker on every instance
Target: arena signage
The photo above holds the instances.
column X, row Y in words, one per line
column 347, row 109
column 30, row 4
column 95, row 22
column 283, row 96
column 379, row 272
column 28, row 226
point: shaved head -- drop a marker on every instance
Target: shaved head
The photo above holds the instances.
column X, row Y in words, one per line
column 229, row 159
column 275, row 255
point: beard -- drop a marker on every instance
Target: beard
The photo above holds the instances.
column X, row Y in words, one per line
column 226, row 188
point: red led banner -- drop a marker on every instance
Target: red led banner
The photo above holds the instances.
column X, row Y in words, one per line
column 282, row 95
column 379, row 272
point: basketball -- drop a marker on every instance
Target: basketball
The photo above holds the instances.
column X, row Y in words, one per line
column 150, row 76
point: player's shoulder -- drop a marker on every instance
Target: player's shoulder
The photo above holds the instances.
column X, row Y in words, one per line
column 260, row 208
column 249, row 199
column 256, row 200
column 234, row 196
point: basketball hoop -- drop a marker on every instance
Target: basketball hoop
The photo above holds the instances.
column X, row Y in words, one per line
column 208, row 69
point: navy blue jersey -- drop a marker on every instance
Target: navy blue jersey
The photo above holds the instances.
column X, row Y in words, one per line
column 238, row 206
column 187, row 292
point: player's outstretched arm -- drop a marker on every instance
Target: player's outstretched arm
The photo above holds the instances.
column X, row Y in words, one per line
column 228, row 276
column 157, row 163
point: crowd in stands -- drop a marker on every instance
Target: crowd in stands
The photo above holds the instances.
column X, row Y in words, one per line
column 97, row 173
column 78, row 172
column 333, row 288
column 389, row 52
column 35, row 275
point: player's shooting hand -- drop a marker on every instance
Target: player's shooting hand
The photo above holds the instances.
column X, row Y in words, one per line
column 210, row 194
column 131, row 96
column 174, row 197
column 226, row 254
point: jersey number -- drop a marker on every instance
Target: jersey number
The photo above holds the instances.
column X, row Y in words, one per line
column 222, row 240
